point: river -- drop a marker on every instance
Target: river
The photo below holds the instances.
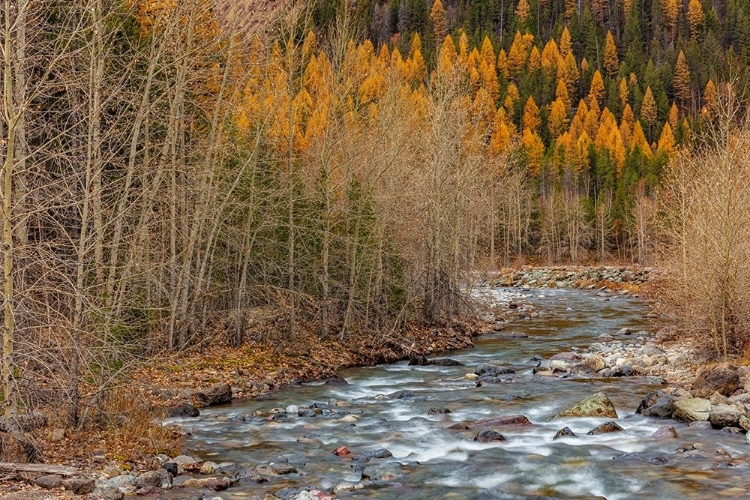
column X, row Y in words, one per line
column 436, row 462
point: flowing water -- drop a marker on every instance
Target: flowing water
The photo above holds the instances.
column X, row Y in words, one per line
column 444, row 463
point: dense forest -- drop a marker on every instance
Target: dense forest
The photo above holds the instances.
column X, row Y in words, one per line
column 170, row 169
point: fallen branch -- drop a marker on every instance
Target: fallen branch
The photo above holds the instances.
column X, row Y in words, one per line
column 39, row 468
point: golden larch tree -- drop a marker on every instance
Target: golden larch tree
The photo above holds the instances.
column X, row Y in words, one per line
column 674, row 116
column 531, row 119
column 648, row 108
column 696, row 16
column 558, row 118
column 522, row 10
column 670, row 9
column 561, row 92
column 439, row 20
column 667, row 142
column 596, row 91
column 611, row 61
column 623, row 92
column 682, row 86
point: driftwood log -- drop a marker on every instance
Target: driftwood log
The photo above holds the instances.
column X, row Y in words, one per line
column 61, row 470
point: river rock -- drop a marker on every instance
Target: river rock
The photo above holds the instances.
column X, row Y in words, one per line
column 558, row 365
column 652, row 350
column 504, row 421
column 383, row 472
column 419, row 361
column 79, row 485
column 445, row 362
column 722, row 415
column 666, row 431
column 159, row 478
column 692, row 409
column 564, row 432
column 217, row 394
column 594, row 363
column 566, row 356
column 744, row 422
column 183, row 410
column 211, row 483
column 492, row 370
column 489, row 436
column 48, row 482
column 624, row 331
column 124, row 482
column 598, row 405
column 722, row 379
column 282, row 469
column 347, row 487
column 718, row 399
column 605, row 428
column 105, row 492
column 336, row 380
column 438, row 411
column 662, row 408
column 368, row 455
column 471, row 377
column 623, row 371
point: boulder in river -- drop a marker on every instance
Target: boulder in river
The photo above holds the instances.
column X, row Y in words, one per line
column 492, row 370
column 383, row 472
column 722, row 379
column 336, row 380
column 367, row 455
column 722, row 415
column 667, row 431
column 342, row 451
column 564, row 432
column 692, row 409
column 598, row 405
column 438, row 411
column 489, row 436
column 217, row 394
column 605, row 428
column 504, row 421
column 183, row 410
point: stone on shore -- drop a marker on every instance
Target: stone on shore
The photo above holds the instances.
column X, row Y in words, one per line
column 722, row 379
column 692, row 409
column 722, row 415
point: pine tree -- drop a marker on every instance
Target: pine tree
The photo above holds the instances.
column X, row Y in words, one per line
column 696, row 17
column 531, row 119
column 611, row 61
column 439, row 20
column 682, row 87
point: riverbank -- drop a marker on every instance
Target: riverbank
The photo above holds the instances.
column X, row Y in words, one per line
column 181, row 385
column 184, row 383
